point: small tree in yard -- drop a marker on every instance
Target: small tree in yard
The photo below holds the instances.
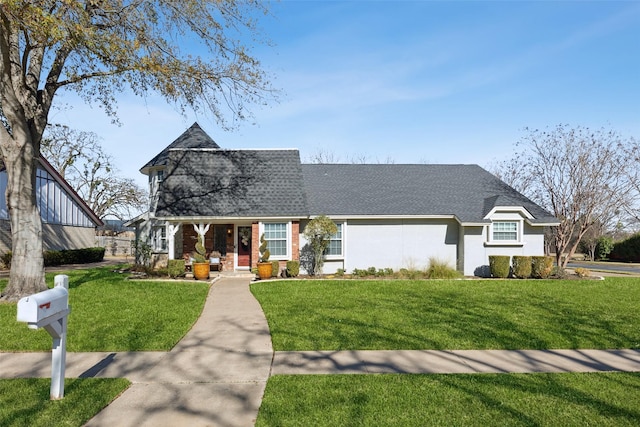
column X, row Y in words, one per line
column 318, row 234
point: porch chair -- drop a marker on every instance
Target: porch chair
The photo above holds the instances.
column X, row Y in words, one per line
column 215, row 261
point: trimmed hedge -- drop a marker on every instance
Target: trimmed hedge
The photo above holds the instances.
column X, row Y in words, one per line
column 175, row 268
column 541, row 267
column 499, row 265
column 627, row 250
column 521, row 266
column 63, row 257
column 275, row 268
column 293, row 268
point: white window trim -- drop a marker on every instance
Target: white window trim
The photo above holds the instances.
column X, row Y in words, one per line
column 156, row 238
column 286, row 256
column 341, row 256
column 519, row 230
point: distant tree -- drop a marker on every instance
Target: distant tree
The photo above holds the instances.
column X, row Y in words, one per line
column 318, row 233
column 98, row 49
column 323, row 156
column 580, row 175
column 80, row 159
column 590, row 239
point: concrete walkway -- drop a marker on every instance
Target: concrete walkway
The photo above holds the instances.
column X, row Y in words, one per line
column 215, row 376
column 217, row 373
column 454, row 361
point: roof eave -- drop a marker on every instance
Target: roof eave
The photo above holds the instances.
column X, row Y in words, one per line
column 227, row 219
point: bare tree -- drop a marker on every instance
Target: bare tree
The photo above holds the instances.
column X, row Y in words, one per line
column 97, row 49
column 80, row 159
column 323, row 156
column 580, row 175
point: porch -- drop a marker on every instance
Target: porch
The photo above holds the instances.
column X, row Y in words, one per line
column 231, row 243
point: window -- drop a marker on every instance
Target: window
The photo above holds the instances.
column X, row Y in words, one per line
column 55, row 204
column 505, row 231
column 160, row 175
column 276, row 236
column 159, row 238
column 335, row 243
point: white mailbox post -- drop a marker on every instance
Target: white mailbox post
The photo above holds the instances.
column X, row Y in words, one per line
column 49, row 309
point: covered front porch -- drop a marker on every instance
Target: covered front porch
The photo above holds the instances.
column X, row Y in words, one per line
column 232, row 242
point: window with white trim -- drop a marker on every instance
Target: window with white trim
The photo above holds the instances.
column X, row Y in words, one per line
column 505, row 231
column 276, row 236
column 335, row 243
column 159, row 238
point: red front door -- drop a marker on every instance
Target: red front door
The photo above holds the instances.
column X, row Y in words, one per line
column 244, row 246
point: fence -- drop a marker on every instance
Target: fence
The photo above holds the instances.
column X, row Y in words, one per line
column 115, row 246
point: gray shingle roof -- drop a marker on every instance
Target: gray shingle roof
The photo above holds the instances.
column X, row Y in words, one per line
column 466, row 191
column 194, row 137
column 202, row 180
column 232, row 183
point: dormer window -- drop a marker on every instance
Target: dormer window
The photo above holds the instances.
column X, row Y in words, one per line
column 505, row 232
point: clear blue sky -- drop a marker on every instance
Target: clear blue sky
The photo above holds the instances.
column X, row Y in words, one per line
column 413, row 81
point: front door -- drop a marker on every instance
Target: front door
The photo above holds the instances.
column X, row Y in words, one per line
column 244, row 246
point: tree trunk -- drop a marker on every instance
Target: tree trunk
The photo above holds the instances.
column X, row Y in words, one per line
column 27, row 263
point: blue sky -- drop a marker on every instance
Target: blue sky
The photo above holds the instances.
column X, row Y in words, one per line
column 412, row 82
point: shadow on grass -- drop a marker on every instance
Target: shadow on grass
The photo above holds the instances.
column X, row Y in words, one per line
column 469, row 317
column 489, row 399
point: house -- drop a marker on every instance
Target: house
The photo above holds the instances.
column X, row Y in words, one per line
column 67, row 221
column 388, row 215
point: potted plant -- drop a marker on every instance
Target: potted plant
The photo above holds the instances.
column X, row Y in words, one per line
column 200, row 264
column 264, row 266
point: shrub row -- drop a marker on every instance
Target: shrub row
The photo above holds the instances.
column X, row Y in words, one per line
column 63, row 257
column 522, row 267
column 437, row 270
column 627, row 250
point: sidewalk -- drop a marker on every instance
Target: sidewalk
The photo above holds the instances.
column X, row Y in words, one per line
column 454, row 361
column 217, row 373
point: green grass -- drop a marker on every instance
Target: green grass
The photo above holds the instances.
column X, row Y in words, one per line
column 449, row 314
column 109, row 313
column 25, row 402
column 592, row 399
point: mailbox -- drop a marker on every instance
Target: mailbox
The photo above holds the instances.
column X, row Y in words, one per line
column 44, row 307
column 49, row 309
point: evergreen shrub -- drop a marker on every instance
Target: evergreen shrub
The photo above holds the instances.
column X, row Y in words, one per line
column 521, row 266
column 175, row 268
column 541, row 267
column 499, row 265
column 293, row 268
column 275, row 268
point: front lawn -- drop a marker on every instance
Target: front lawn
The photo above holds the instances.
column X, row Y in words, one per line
column 591, row 399
column 109, row 313
column 25, row 402
column 451, row 314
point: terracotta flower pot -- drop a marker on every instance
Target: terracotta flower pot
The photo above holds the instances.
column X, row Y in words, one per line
column 264, row 270
column 201, row 270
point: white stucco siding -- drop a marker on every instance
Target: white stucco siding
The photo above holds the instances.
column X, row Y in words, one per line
column 477, row 250
column 400, row 243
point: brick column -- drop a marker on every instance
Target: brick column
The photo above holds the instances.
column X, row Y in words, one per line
column 255, row 244
column 295, row 240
